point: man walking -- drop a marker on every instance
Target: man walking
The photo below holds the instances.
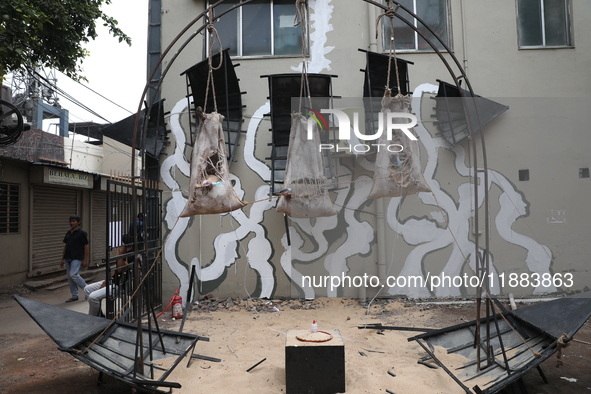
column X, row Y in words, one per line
column 75, row 256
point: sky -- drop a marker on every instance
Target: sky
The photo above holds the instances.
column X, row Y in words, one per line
column 114, row 70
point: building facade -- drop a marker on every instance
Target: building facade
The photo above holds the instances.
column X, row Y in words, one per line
column 45, row 179
column 531, row 58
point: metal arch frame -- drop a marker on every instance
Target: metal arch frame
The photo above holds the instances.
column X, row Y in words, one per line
column 211, row 8
column 456, row 80
column 148, row 86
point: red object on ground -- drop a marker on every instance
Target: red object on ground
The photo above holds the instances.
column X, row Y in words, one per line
column 177, row 306
column 177, row 301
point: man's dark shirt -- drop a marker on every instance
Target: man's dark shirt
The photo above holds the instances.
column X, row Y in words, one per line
column 75, row 242
column 140, row 229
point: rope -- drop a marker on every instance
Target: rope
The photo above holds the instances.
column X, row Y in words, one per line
column 213, row 38
column 562, row 343
column 583, row 342
column 261, row 200
column 301, row 18
column 390, row 13
column 300, row 14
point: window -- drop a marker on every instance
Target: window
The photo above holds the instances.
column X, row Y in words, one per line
column 259, row 28
column 9, row 208
column 433, row 12
column 544, row 23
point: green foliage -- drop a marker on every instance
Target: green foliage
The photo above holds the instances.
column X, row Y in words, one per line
column 50, row 33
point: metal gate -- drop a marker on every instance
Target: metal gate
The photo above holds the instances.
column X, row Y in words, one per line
column 144, row 262
column 98, row 225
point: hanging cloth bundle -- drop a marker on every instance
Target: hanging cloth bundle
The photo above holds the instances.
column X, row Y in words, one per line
column 210, row 189
column 304, row 195
column 396, row 173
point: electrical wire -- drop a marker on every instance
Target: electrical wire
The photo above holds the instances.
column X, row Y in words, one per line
column 100, row 95
column 66, row 95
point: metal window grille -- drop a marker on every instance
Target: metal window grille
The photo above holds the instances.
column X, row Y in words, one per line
column 9, row 208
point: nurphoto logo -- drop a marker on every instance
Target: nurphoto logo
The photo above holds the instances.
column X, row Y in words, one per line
column 387, row 122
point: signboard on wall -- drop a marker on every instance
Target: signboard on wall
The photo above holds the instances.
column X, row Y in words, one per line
column 58, row 176
column 49, row 175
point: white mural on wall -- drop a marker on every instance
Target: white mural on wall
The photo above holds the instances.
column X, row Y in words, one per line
column 556, row 216
column 321, row 13
column 423, row 234
column 429, row 238
column 225, row 244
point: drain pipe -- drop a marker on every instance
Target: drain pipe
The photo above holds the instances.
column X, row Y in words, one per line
column 371, row 20
column 381, row 238
column 373, row 46
column 464, row 44
column 380, row 220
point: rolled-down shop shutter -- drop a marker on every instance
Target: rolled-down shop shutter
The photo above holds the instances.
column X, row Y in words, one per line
column 52, row 206
column 98, row 223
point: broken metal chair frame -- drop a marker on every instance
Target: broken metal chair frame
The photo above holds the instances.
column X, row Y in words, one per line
column 513, row 375
column 133, row 380
column 111, row 346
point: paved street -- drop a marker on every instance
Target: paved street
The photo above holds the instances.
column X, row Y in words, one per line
column 16, row 321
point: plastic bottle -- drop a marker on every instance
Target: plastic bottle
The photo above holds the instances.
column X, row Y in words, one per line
column 314, row 328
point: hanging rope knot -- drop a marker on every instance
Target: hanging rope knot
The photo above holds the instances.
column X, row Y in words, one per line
column 210, row 19
column 301, row 18
column 398, row 103
column 390, row 13
column 200, row 114
column 300, row 12
column 562, row 343
column 404, row 100
column 213, row 38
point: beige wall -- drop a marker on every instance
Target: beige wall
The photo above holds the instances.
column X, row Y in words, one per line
column 111, row 157
column 14, row 262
